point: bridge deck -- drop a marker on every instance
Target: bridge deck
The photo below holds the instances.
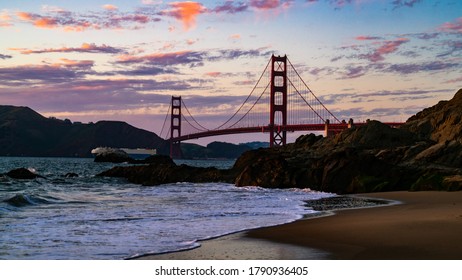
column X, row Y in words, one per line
column 267, row 129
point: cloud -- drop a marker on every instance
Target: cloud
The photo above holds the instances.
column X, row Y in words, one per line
column 59, row 19
column 171, row 58
column 265, row 4
column 186, row 12
column 110, row 7
column 5, row 19
column 77, row 22
column 63, row 71
column 452, row 27
column 235, row 37
column 456, row 80
column 231, row 7
column 192, row 58
column 404, row 3
column 454, row 48
column 366, row 38
column 386, row 48
column 352, row 71
column 84, row 48
column 4, row 56
column 410, row 68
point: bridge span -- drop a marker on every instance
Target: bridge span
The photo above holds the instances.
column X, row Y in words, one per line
column 280, row 102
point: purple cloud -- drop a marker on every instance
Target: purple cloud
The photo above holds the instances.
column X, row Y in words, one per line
column 410, row 68
column 231, row 7
column 404, row 3
column 50, row 73
column 386, row 48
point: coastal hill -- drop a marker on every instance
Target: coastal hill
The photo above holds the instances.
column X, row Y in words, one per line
column 423, row 154
column 24, row 132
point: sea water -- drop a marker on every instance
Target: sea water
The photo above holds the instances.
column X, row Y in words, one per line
column 91, row 217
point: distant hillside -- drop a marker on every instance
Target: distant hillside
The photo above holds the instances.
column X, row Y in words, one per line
column 24, row 132
column 213, row 150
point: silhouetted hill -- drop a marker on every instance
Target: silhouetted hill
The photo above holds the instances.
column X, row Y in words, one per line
column 24, row 132
column 213, row 150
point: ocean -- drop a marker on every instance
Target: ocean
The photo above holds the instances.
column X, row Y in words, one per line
column 89, row 217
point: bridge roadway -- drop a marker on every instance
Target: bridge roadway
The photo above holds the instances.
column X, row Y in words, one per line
column 266, row 129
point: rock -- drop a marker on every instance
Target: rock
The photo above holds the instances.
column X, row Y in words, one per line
column 440, row 123
column 452, row 183
column 22, row 173
column 71, row 175
column 165, row 171
column 112, row 155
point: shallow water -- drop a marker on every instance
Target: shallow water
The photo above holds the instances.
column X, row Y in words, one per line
column 89, row 217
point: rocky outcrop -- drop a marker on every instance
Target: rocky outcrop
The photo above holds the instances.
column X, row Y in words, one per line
column 112, row 155
column 22, row 173
column 440, row 123
column 162, row 170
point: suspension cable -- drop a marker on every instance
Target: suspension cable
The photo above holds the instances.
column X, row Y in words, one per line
column 242, row 105
column 312, row 92
column 204, row 129
column 251, row 107
column 165, row 121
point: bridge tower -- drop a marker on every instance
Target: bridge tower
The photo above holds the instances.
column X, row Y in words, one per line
column 278, row 101
column 175, row 127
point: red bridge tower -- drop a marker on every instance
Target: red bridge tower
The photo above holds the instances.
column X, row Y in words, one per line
column 278, row 101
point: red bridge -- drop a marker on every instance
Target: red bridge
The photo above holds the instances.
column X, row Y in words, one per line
column 281, row 92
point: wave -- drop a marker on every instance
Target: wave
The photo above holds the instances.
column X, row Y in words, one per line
column 21, row 200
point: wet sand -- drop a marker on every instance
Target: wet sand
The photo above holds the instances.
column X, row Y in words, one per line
column 424, row 225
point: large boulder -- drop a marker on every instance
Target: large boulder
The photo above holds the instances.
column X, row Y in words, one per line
column 22, row 173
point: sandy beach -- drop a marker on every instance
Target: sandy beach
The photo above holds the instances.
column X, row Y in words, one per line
column 423, row 225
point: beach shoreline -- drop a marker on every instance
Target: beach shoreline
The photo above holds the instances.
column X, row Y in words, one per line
column 424, row 225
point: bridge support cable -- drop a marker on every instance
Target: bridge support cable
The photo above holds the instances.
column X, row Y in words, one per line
column 320, row 109
column 263, row 78
column 165, row 122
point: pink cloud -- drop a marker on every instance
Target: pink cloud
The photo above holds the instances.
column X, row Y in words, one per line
column 84, row 48
column 366, row 38
column 186, row 12
column 453, row 81
column 452, row 27
column 265, row 4
column 74, row 22
column 5, row 19
column 235, row 36
column 387, row 47
column 60, row 19
column 110, row 7
column 213, row 74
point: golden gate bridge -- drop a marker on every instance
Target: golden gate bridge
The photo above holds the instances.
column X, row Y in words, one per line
column 280, row 92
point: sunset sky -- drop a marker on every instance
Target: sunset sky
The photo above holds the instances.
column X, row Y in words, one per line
column 122, row 60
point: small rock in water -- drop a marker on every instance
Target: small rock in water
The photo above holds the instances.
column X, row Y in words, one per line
column 71, row 175
column 22, row 173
